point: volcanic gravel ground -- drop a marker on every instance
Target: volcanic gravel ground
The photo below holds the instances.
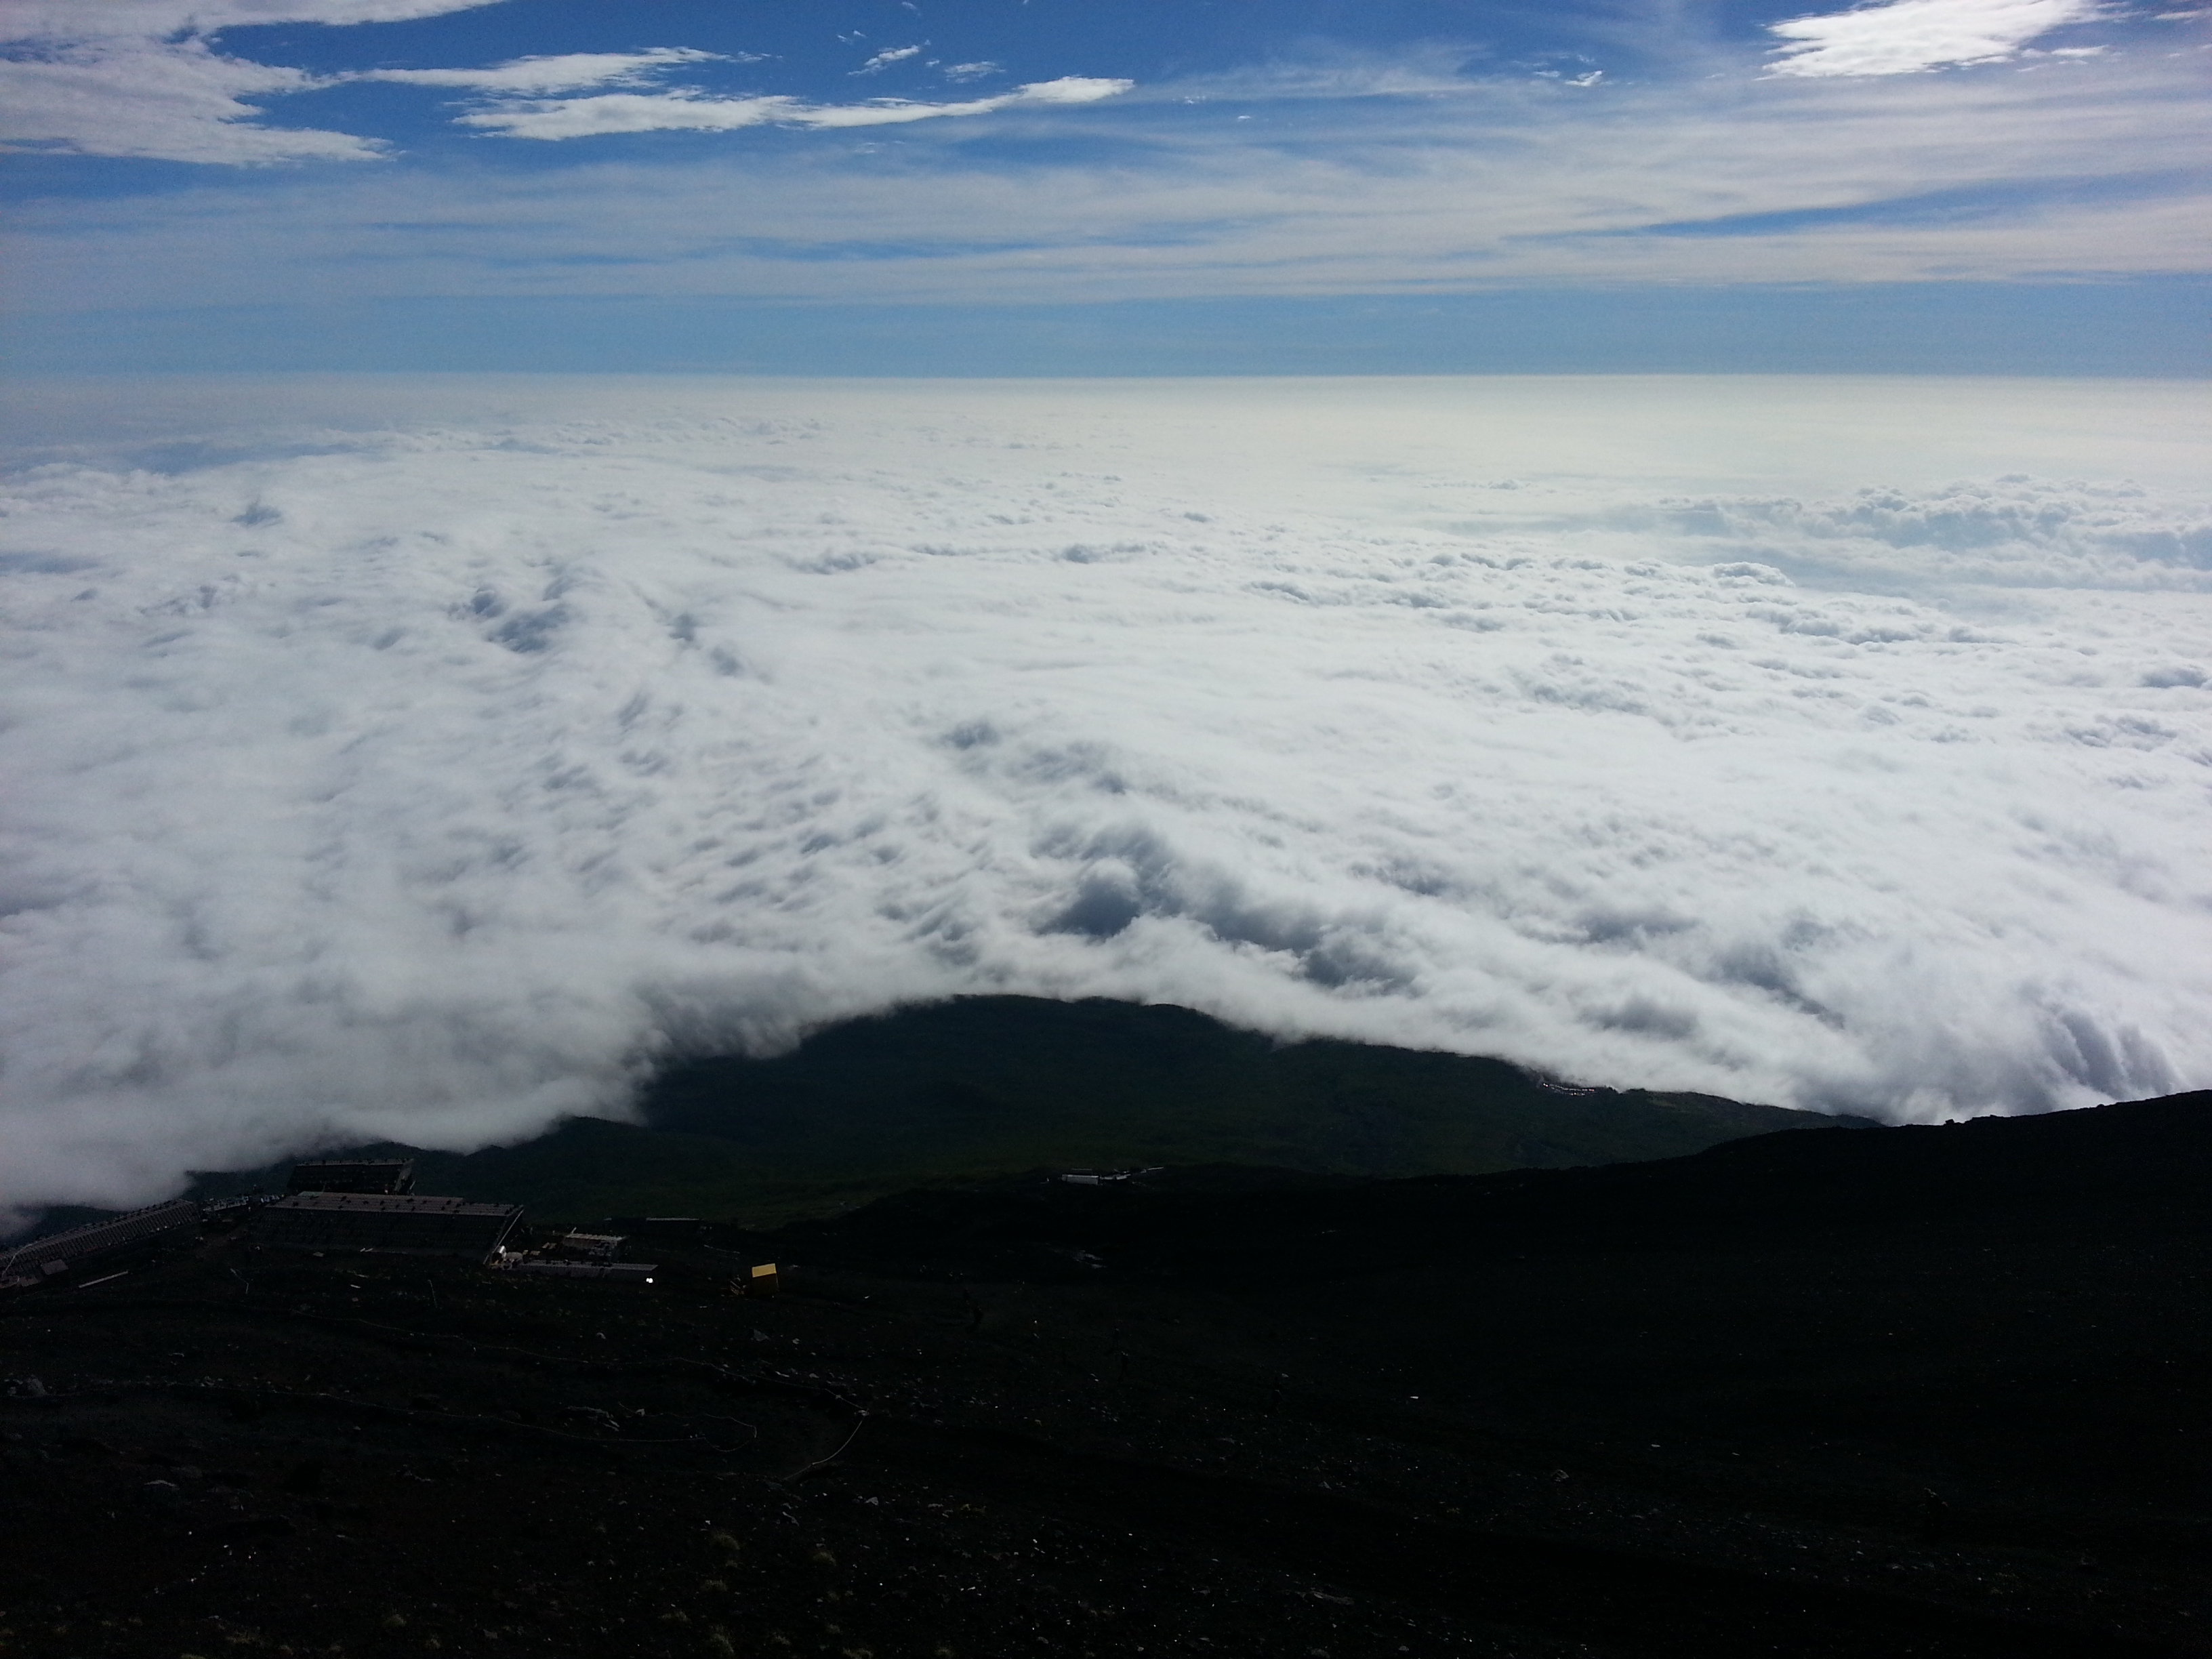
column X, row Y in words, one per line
column 1775, row 1398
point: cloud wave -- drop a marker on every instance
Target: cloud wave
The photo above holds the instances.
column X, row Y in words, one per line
column 425, row 762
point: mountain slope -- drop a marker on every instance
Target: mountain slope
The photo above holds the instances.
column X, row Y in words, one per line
column 1925, row 1392
column 992, row 1085
column 996, row 1083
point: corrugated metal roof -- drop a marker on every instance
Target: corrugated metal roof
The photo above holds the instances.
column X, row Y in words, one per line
column 387, row 1204
column 349, row 1174
column 131, row 1227
column 413, row 1224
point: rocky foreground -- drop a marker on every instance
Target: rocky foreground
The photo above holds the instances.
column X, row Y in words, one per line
column 1929, row 1392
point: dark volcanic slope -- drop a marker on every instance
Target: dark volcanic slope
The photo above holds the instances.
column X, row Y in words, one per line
column 1925, row 1392
column 1018, row 1081
column 994, row 1085
column 2123, row 1167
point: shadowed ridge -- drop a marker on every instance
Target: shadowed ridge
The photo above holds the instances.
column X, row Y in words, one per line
column 2120, row 1164
column 1007, row 1083
column 985, row 1086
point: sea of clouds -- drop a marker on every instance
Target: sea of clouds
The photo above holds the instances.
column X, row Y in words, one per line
column 430, row 758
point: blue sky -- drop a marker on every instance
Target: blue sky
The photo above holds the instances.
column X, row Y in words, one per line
column 1100, row 186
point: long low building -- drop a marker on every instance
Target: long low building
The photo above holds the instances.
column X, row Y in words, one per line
column 393, row 1225
column 54, row 1255
column 382, row 1175
column 623, row 1272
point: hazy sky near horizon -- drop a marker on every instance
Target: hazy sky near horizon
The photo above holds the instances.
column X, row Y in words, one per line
column 425, row 759
column 1099, row 186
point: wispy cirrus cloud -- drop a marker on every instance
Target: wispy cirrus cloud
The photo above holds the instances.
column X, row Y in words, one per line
column 1361, row 171
column 142, row 78
column 139, row 78
column 688, row 111
column 1887, row 180
column 51, row 20
column 172, row 100
column 884, row 59
column 570, row 72
column 1910, row 36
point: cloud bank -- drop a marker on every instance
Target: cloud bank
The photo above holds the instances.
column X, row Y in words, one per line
column 429, row 761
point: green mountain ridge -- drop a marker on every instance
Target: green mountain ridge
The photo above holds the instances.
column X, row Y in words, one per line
column 983, row 1086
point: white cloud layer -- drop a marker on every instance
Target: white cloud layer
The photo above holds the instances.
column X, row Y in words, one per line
column 424, row 760
column 1908, row 37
